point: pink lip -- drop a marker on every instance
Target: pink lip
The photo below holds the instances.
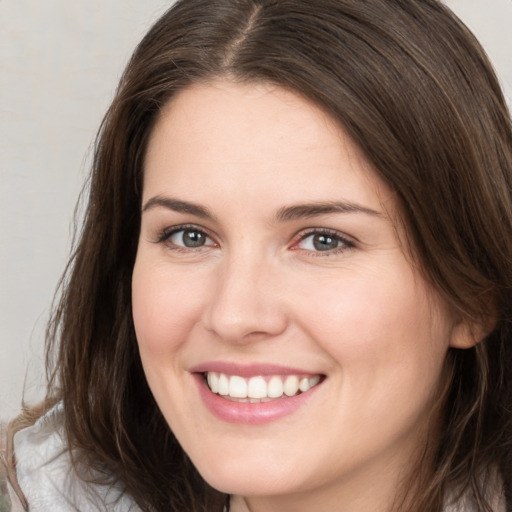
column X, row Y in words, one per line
column 247, row 413
column 247, row 371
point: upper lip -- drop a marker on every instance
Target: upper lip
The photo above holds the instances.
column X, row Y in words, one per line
column 249, row 370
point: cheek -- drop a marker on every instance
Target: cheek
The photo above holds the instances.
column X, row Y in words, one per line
column 164, row 308
column 389, row 346
column 373, row 324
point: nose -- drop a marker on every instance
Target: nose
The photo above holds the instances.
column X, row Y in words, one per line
column 246, row 303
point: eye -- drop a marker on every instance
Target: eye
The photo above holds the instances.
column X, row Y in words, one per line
column 186, row 237
column 324, row 241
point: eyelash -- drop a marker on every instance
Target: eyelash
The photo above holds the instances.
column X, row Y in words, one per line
column 167, row 233
column 345, row 243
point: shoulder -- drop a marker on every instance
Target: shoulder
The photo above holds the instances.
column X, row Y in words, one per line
column 465, row 502
column 47, row 477
column 9, row 500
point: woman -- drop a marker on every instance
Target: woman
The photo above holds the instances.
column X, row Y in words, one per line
column 292, row 286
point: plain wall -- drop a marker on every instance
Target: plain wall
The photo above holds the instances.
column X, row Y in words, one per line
column 59, row 64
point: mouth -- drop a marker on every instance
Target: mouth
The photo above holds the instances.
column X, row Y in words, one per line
column 260, row 388
column 255, row 394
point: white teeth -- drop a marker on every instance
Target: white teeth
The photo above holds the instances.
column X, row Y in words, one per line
column 223, row 385
column 314, row 381
column 237, row 387
column 303, row 384
column 291, row 385
column 275, row 387
column 257, row 388
column 213, row 382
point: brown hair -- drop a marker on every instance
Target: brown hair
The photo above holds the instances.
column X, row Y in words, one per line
column 411, row 86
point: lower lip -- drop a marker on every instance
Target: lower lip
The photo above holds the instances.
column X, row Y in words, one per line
column 251, row 414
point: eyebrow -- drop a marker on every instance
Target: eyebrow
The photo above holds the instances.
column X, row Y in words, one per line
column 304, row 211
column 178, row 206
column 285, row 214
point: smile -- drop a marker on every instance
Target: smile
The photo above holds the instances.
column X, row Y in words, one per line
column 259, row 388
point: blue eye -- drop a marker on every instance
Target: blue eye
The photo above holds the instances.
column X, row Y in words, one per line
column 190, row 238
column 323, row 242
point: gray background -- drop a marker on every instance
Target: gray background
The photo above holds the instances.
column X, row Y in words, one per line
column 59, row 64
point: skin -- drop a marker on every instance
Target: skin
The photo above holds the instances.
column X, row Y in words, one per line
column 258, row 291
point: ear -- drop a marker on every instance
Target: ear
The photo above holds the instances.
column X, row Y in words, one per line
column 467, row 333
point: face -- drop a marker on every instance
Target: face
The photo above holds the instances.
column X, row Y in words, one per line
column 288, row 341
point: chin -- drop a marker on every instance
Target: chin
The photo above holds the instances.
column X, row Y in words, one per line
column 248, row 480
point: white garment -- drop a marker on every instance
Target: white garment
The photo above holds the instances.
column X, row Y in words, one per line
column 46, row 476
column 50, row 484
column 466, row 504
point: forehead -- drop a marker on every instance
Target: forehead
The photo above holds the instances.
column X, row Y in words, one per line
column 220, row 112
column 254, row 139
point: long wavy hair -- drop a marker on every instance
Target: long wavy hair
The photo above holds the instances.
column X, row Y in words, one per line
column 413, row 88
